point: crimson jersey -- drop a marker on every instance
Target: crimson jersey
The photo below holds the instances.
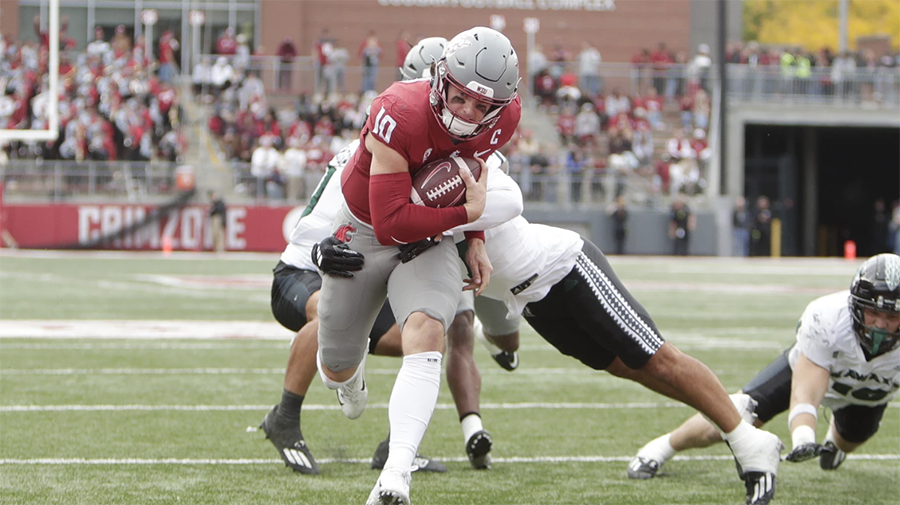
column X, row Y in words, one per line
column 402, row 119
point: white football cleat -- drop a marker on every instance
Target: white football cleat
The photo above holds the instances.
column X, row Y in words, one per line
column 643, row 468
column 392, row 488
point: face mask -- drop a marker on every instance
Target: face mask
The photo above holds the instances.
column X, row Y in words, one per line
column 457, row 126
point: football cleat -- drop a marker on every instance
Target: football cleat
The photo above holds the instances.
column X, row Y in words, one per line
column 804, row 452
column 642, row 468
column 420, row 463
column 392, row 488
column 508, row 360
column 478, row 449
column 760, row 487
column 353, row 395
column 288, row 440
column 831, row 456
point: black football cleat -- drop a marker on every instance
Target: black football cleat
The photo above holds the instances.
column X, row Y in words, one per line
column 288, row 440
column 831, row 457
column 760, row 487
column 478, row 449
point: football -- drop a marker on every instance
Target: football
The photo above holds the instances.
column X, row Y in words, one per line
column 438, row 184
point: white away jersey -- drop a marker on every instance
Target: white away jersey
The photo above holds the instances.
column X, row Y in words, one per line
column 528, row 259
column 315, row 223
column 825, row 336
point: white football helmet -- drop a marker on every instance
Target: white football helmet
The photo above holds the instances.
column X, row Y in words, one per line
column 421, row 56
column 483, row 64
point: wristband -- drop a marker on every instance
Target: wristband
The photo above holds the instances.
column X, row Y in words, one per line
column 803, row 435
column 802, row 408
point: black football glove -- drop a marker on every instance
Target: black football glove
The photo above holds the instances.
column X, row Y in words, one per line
column 408, row 252
column 804, row 452
column 333, row 257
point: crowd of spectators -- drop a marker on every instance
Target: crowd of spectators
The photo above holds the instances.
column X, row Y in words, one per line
column 656, row 131
column 114, row 103
column 281, row 152
column 607, row 136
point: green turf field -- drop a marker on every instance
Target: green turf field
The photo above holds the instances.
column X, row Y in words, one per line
column 144, row 421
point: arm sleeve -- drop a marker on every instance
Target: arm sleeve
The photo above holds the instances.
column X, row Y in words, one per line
column 398, row 221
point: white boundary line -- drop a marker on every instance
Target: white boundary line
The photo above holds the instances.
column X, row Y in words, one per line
column 143, row 330
column 265, row 371
column 366, row 461
column 380, row 406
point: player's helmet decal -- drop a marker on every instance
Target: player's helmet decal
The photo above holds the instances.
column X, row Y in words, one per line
column 876, row 286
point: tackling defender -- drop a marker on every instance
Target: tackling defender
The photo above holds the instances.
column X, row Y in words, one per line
column 846, row 358
column 570, row 295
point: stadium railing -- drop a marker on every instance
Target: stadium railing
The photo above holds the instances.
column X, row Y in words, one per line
column 67, row 180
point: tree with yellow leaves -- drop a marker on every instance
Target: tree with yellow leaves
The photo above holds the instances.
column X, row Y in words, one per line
column 813, row 24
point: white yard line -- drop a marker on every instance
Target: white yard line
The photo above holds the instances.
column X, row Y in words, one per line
column 265, row 371
column 366, row 461
column 143, row 330
column 335, row 406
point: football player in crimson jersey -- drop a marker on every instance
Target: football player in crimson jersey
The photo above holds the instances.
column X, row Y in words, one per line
column 468, row 108
column 296, row 283
column 846, row 357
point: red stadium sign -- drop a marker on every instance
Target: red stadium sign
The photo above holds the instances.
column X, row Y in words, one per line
column 135, row 227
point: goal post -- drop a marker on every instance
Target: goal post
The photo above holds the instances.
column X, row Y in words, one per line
column 52, row 131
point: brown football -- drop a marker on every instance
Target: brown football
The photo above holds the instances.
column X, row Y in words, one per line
column 438, row 184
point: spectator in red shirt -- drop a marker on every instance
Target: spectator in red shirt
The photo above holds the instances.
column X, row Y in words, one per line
column 65, row 43
column 227, row 44
column 286, row 53
column 168, row 44
column 322, row 51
